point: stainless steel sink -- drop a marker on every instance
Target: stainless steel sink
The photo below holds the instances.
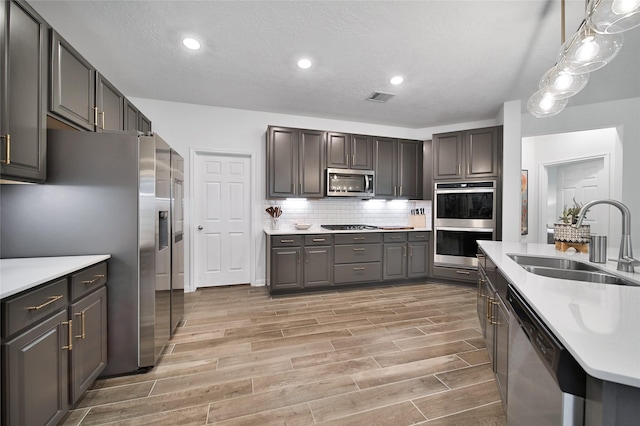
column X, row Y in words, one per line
column 567, row 269
column 552, row 262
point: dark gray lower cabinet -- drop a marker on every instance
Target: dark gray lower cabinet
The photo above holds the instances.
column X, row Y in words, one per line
column 494, row 320
column 286, row 268
column 317, row 266
column 406, row 255
column 35, row 376
column 53, row 349
column 89, row 354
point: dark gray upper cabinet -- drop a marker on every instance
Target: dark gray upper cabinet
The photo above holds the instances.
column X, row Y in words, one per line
column 131, row 116
column 398, row 165
column 467, row 154
column 345, row 151
column 23, row 88
column 144, row 124
column 110, row 106
column 84, row 98
column 295, row 163
column 481, row 150
column 73, row 85
column 385, row 165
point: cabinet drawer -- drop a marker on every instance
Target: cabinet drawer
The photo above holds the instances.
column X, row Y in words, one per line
column 357, row 272
column 370, row 237
column 458, row 274
column 419, row 236
column 21, row 311
column 317, row 240
column 286, row 240
column 353, row 253
column 87, row 280
column 395, row 237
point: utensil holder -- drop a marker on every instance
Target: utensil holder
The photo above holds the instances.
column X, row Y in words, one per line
column 275, row 224
column 418, row 221
column 598, row 249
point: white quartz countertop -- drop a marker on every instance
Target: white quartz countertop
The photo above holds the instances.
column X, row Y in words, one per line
column 291, row 230
column 598, row 323
column 21, row 274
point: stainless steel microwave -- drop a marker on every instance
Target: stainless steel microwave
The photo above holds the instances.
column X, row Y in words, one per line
column 350, row 183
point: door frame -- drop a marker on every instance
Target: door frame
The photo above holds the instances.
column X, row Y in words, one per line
column 543, row 185
column 194, row 154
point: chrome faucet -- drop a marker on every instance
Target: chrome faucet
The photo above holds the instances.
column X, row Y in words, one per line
column 625, row 258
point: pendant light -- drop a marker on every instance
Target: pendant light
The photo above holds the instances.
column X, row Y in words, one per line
column 561, row 84
column 588, row 50
column 544, row 104
column 613, row 16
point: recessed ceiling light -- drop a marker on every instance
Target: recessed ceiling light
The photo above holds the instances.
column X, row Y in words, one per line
column 304, row 63
column 397, row 80
column 191, row 43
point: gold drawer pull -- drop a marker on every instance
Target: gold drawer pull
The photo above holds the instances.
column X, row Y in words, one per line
column 82, row 334
column 70, row 340
column 286, row 241
column 358, row 269
column 395, row 237
column 358, row 238
column 95, row 116
column 319, row 240
column 51, row 300
column 97, row 278
column 358, row 249
column 419, row 236
column 463, row 272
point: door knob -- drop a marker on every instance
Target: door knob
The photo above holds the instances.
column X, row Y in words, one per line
column 200, row 228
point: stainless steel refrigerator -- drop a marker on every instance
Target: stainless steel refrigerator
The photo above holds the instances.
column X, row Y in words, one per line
column 115, row 193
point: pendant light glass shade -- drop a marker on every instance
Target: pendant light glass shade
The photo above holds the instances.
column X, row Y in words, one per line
column 588, row 50
column 544, row 104
column 561, row 84
column 613, row 16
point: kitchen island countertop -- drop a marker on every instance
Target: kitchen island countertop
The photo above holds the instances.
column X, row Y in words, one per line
column 598, row 323
column 21, row 274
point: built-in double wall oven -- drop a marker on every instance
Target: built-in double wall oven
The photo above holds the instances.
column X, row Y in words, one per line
column 464, row 212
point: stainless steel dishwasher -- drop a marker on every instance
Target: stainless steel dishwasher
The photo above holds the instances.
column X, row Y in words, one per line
column 546, row 384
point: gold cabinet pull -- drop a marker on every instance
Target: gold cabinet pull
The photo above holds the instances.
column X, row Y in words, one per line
column 102, row 114
column 411, row 251
column 493, row 321
column 404, row 251
column 459, row 172
column 358, row 268
column 95, row 116
column 70, row 339
column 306, row 256
column 286, row 241
column 489, row 309
column 480, row 282
column 358, row 249
column 97, row 278
column 468, row 169
column 82, row 334
column 51, row 300
column 7, row 159
column 358, row 238
column 463, row 272
column 319, row 240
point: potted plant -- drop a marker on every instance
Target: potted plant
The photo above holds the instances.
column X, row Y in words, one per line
column 566, row 232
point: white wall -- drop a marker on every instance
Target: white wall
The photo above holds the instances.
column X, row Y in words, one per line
column 509, row 117
column 564, row 147
column 188, row 127
column 624, row 115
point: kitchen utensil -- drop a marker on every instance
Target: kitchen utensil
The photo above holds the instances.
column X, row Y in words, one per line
column 598, row 248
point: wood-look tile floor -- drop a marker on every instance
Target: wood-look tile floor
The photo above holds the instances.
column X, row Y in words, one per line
column 394, row 355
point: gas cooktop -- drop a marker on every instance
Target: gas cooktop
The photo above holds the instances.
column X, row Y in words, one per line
column 348, row 227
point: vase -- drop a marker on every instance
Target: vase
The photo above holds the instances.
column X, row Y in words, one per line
column 567, row 233
column 275, row 223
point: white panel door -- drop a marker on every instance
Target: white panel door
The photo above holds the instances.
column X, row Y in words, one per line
column 585, row 180
column 223, row 220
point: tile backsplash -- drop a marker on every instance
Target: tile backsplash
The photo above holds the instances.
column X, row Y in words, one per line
column 330, row 212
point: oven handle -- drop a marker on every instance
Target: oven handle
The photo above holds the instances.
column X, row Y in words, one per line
column 450, row 228
column 465, row 191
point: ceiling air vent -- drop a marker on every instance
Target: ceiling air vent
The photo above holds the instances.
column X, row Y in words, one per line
column 380, row 97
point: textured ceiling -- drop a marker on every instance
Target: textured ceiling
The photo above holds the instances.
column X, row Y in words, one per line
column 460, row 59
